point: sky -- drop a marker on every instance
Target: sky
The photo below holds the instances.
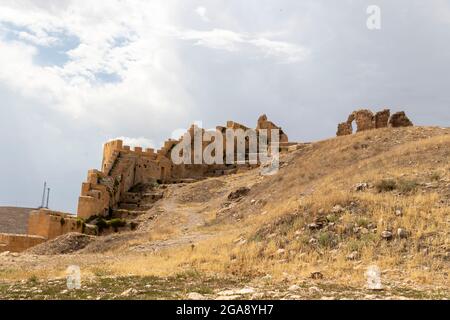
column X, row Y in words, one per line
column 76, row 73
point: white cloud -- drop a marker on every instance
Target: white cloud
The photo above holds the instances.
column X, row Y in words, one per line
column 233, row 41
column 215, row 39
column 145, row 64
column 201, row 11
column 287, row 51
column 133, row 43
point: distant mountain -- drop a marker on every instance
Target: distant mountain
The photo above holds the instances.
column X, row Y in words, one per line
column 14, row 220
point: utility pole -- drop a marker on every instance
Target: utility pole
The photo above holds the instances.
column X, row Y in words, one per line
column 43, row 195
column 48, row 196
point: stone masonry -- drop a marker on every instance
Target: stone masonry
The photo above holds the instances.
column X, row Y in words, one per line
column 367, row 120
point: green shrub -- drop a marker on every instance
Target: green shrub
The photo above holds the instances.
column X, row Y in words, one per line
column 327, row 239
column 362, row 222
column 117, row 223
column 102, row 224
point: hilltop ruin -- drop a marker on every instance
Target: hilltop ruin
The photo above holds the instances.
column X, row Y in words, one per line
column 367, row 120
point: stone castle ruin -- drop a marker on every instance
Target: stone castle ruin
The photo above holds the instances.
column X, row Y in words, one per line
column 367, row 120
column 123, row 169
column 130, row 180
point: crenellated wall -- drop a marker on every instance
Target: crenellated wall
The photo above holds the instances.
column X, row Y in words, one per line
column 124, row 167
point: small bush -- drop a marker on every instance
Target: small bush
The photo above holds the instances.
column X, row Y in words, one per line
column 117, row 223
column 407, row 186
column 386, row 185
column 363, row 222
column 327, row 239
column 33, row 279
column 435, row 176
column 102, row 224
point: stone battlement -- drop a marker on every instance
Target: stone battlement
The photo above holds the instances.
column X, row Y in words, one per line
column 124, row 167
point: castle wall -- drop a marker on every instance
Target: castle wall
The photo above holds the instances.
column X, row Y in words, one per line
column 50, row 224
column 123, row 168
column 18, row 242
column 95, row 198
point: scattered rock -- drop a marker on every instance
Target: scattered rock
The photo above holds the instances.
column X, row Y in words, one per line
column 337, row 209
column 246, row 291
column 267, row 277
column 361, row 187
column 317, row 275
column 294, row 288
column 398, row 212
column 314, row 291
column 238, row 194
column 386, row 235
column 129, row 292
column 353, row 256
column 195, row 296
column 65, row 244
column 402, row 233
column 314, row 226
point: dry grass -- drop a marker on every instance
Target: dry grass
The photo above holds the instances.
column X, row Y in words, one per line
column 272, row 236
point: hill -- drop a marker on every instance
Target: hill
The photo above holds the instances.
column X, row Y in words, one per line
column 336, row 207
column 14, row 220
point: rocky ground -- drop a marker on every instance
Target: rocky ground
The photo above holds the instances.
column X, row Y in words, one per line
column 195, row 287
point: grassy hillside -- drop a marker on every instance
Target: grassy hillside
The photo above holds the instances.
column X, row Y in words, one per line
column 336, row 207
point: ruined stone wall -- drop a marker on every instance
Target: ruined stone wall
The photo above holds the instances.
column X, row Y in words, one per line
column 95, row 197
column 400, row 119
column 123, row 168
column 264, row 123
column 367, row 120
column 51, row 224
column 18, row 242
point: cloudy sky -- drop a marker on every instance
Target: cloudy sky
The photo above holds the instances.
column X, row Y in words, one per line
column 76, row 73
